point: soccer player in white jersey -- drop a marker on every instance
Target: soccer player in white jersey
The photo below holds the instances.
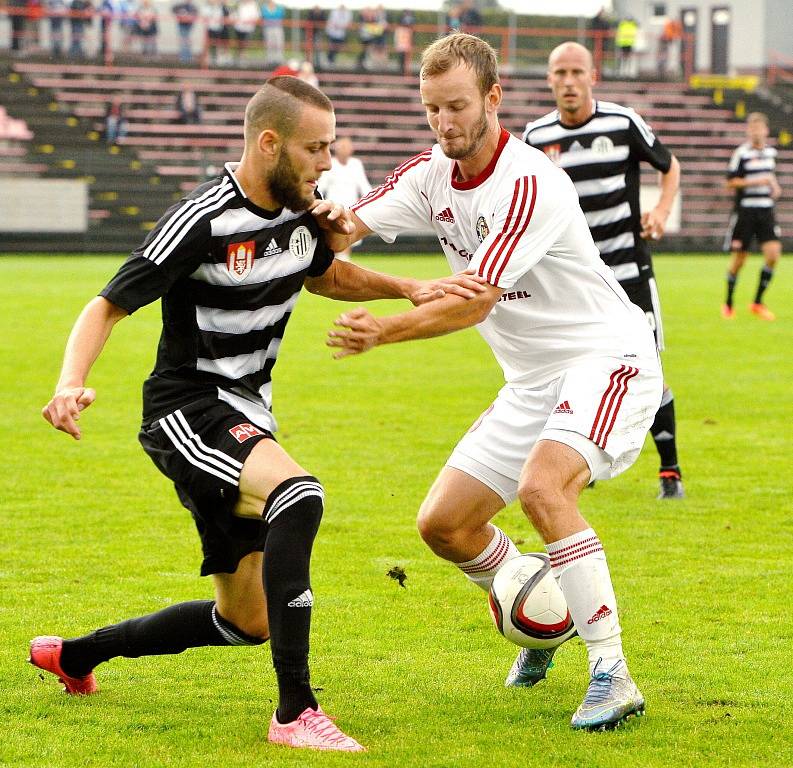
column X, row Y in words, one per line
column 583, row 379
column 752, row 176
column 600, row 145
column 345, row 182
column 229, row 262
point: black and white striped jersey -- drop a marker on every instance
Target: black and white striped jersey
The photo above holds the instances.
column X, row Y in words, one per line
column 602, row 157
column 747, row 162
column 229, row 274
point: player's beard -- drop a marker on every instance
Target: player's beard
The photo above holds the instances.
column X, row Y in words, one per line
column 285, row 185
column 478, row 133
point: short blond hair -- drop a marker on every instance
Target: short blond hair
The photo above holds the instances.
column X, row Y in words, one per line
column 755, row 116
column 461, row 48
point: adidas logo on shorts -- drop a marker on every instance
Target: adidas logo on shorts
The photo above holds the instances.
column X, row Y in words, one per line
column 303, row 600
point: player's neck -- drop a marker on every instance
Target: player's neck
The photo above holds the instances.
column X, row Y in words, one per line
column 580, row 116
column 254, row 188
column 471, row 167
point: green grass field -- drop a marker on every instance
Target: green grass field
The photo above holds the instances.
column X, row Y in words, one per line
column 91, row 533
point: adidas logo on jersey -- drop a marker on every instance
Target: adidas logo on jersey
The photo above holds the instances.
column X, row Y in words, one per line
column 563, row 407
column 599, row 614
column 272, row 249
column 303, row 600
column 445, row 215
column 575, row 146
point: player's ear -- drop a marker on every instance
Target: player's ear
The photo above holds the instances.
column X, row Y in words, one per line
column 494, row 96
column 594, row 76
column 269, row 143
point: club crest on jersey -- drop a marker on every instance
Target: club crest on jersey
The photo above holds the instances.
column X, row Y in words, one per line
column 554, row 152
column 482, row 230
column 602, row 145
column 243, row 432
column 240, row 258
column 300, row 243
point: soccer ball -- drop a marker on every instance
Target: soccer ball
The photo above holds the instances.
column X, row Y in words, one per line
column 527, row 605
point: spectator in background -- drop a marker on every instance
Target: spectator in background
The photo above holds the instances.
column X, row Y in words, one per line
column 453, row 18
column 216, row 18
column 470, row 18
column 273, row 21
column 246, row 19
column 80, row 17
column 668, row 52
column 317, row 18
column 128, row 10
column 403, row 39
column 189, row 107
column 336, row 30
column 115, row 121
column 368, row 29
column 625, row 41
column 345, row 183
column 147, row 28
column 18, row 11
column 185, row 12
column 56, row 9
column 601, row 27
column 108, row 13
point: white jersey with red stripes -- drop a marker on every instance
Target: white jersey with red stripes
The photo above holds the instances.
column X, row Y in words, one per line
column 520, row 226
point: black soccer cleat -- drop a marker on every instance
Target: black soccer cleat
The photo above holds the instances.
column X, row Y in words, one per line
column 670, row 483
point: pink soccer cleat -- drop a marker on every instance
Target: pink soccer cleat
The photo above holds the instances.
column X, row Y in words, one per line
column 313, row 729
column 727, row 312
column 45, row 653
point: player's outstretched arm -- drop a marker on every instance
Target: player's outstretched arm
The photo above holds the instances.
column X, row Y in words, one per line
column 346, row 281
column 88, row 337
column 360, row 330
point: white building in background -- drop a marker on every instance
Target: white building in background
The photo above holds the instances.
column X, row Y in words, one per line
column 731, row 36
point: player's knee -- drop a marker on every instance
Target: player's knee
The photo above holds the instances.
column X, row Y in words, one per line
column 296, row 501
column 244, row 627
column 436, row 529
column 540, row 496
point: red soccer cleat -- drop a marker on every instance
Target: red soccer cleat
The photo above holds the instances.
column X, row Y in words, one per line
column 762, row 311
column 313, row 729
column 45, row 653
column 727, row 312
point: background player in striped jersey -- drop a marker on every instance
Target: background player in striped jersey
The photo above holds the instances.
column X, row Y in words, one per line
column 751, row 175
column 229, row 262
column 583, row 379
column 600, row 145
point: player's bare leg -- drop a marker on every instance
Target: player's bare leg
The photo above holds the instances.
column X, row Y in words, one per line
column 552, row 479
column 737, row 260
column 772, row 251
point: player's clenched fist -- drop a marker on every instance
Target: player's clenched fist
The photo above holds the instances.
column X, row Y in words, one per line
column 361, row 334
column 63, row 410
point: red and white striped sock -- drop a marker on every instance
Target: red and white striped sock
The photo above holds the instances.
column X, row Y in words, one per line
column 483, row 567
column 579, row 566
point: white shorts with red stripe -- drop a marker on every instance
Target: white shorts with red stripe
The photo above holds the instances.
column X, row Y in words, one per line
column 602, row 409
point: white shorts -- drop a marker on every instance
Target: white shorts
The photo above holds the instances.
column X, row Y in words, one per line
column 602, row 409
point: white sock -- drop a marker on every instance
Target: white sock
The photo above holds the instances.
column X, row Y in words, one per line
column 579, row 566
column 483, row 567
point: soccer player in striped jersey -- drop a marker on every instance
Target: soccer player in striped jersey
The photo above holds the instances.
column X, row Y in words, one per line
column 229, row 262
column 752, row 176
column 583, row 380
column 600, row 145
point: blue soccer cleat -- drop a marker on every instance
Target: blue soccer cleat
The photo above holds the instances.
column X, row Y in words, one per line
column 530, row 667
column 611, row 699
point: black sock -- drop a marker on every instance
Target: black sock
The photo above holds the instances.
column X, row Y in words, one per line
column 293, row 511
column 731, row 281
column 663, row 431
column 171, row 630
column 766, row 273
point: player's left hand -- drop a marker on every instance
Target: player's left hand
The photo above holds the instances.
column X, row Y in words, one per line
column 361, row 334
column 654, row 224
column 332, row 217
column 466, row 284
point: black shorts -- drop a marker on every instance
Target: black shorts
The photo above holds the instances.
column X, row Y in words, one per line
column 644, row 294
column 750, row 223
column 201, row 447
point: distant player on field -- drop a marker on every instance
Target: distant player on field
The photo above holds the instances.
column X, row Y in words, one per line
column 600, row 146
column 583, row 379
column 229, row 262
column 752, row 176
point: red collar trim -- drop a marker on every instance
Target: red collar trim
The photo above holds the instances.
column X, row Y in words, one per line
column 487, row 172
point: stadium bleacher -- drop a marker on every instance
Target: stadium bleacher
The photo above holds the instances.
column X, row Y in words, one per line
column 382, row 113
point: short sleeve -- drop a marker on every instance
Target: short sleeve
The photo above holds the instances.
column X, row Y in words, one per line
column 398, row 204
column 525, row 226
column 173, row 249
column 646, row 145
column 735, row 168
column 323, row 258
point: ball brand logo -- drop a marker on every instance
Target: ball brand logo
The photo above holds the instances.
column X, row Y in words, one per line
column 243, row 432
column 240, row 258
column 599, row 614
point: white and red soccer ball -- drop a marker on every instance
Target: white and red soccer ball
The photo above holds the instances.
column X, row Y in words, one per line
column 527, row 605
